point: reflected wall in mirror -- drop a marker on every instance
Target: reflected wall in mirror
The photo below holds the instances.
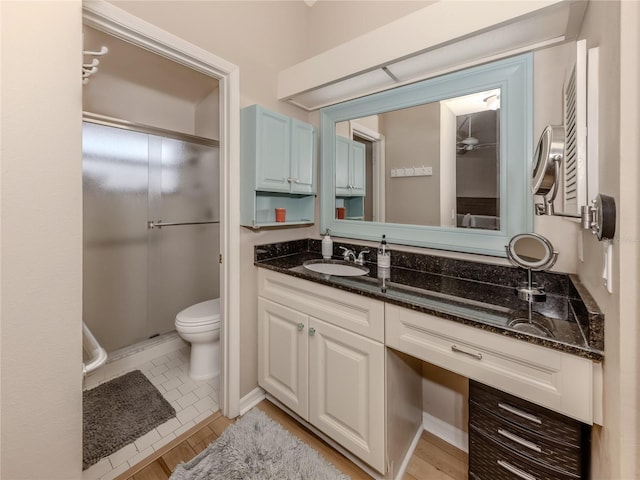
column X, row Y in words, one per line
column 437, row 164
column 442, row 163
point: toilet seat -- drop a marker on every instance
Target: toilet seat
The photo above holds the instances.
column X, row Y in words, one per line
column 205, row 313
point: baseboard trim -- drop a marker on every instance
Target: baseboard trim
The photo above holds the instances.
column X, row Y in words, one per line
column 447, row 432
column 251, row 399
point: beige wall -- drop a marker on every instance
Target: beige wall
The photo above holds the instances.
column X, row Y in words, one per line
column 41, row 221
column 331, row 23
column 412, row 140
column 118, row 98
column 616, row 445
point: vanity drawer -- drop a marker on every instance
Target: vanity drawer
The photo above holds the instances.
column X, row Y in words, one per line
column 357, row 313
column 526, row 415
column 556, row 380
column 489, row 460
column 543, row 449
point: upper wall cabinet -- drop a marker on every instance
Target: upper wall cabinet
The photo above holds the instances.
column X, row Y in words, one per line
column 278, row 168
column 350, row 168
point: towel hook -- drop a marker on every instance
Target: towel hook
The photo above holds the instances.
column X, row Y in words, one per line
column 89, row 69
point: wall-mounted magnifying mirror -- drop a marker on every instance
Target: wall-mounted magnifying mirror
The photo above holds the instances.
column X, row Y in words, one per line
column 546, row 166
column 599, row 216
column 532, row 252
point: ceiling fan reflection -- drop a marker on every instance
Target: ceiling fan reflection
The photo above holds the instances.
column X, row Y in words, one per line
column 470, row 142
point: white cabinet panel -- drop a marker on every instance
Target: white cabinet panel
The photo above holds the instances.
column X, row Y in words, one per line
column 346, row 390
column 357, row 313
column 559, row 381
column 282, row 354
column 310, row 361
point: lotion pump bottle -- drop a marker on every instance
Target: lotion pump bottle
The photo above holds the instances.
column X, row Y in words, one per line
column 384, row 254
column 327, row 246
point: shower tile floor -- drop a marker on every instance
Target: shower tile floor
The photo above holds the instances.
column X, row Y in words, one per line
column 193, row 401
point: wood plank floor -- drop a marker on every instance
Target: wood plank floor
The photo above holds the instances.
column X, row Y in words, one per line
column 434, row 459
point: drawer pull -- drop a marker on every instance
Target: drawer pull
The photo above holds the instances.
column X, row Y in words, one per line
column 516, row 471
column 520, row 413
column 456, row 349
column 300, row 326
column 520, row 440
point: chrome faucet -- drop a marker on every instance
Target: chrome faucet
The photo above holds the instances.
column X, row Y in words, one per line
column 347, row 254
column 360, row 259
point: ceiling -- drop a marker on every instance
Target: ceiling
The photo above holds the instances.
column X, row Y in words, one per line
column 139, row 66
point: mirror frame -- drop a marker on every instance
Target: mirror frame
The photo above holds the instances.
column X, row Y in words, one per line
column 514, row 76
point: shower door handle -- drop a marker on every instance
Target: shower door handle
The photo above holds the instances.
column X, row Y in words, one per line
column 159, row 224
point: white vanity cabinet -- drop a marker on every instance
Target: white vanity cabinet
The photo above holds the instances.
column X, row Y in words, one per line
column 560, row 381
column 278, row 167
column 350, row 168
column 321, row 355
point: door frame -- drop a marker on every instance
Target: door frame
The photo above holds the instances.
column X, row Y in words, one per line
column 379, row 167
column 114, row 21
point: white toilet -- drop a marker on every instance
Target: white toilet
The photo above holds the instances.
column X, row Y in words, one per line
column 199, row 325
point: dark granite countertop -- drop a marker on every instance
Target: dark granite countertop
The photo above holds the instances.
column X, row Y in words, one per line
column 478, row 294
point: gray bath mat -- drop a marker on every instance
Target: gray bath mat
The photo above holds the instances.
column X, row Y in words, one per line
column 257, row 448
column 118, row 412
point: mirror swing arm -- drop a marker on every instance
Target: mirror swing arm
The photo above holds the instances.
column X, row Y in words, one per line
column 599, row 216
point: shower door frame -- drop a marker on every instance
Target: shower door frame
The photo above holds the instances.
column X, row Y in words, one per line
column 114, row 21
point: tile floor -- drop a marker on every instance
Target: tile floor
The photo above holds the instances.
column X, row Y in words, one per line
column 193, row 401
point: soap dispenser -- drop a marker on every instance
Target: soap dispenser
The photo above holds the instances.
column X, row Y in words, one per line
column 327, row 246
column 384, row 254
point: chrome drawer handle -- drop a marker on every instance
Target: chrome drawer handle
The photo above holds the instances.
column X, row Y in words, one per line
column 300, row 327
column 456, row 349
column 520, row 413
column 520, row 440
column 516, row 471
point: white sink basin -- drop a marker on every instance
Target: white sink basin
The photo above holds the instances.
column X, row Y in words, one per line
column 336, row 267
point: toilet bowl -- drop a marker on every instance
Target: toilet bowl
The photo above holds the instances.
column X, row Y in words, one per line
column 199, row 325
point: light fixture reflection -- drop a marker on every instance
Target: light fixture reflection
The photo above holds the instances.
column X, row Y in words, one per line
column 493, row 102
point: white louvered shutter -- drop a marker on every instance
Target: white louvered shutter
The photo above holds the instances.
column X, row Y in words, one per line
column 575, row 123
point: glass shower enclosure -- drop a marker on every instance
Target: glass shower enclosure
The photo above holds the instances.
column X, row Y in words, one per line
column 139, row 272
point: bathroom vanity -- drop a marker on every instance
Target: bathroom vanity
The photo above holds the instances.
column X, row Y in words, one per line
column 343, row 353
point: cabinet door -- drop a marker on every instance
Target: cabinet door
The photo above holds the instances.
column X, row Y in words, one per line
column 350, row 168
column 346, row 390
column 283, row 355
column 273, row 152
column 342, row 166
column 303, row 161
column 357, row 169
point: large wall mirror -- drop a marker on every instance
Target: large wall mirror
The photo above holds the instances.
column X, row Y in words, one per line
column 443, row 163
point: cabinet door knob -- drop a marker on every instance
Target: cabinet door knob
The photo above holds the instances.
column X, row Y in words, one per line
column 296, row 180
column 288, row 179
column 312, row 331
column 300, row 326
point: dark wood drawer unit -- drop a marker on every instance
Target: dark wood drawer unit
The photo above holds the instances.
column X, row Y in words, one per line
column 510, row 438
